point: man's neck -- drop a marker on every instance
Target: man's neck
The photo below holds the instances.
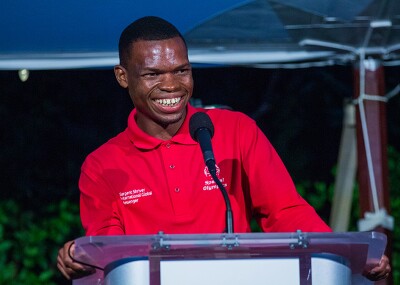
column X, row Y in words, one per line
column 159, row 131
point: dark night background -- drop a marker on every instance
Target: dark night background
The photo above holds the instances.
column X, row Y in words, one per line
column 53, row 120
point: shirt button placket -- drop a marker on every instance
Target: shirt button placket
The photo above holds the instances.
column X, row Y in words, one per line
column 177, row 190
column 172, row 166
column 178, row 197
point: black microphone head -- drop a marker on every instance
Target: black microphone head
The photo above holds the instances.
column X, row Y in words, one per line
column 200, row 120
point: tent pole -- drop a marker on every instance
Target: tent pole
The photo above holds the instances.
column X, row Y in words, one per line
column 371, row 126
column 346, row 172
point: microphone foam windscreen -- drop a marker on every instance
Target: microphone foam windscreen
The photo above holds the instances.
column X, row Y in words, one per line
column 200, row 120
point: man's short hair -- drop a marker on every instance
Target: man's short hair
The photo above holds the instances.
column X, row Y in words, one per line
column 149, row 28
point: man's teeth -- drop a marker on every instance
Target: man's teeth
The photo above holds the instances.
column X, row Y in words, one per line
column 168, row 102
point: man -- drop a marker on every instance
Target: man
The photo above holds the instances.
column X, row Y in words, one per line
column 152, row 177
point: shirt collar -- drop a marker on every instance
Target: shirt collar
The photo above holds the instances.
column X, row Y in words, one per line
column 143, row 140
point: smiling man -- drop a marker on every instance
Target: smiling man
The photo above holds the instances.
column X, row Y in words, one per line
column 152, row 177
column 158, row 76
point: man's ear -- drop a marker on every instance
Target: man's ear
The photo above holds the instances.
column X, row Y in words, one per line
column 121, row 75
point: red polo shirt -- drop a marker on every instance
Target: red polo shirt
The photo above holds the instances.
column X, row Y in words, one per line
column 137, row 184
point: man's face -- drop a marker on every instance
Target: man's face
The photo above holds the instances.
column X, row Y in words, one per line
column 159, row 80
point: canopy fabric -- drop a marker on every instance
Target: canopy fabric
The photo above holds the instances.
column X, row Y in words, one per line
column 71, row 34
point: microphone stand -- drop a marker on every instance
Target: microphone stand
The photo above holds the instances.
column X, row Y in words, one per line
column 228, row 215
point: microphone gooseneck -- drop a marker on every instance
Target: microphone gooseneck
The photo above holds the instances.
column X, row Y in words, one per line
column 202, row 130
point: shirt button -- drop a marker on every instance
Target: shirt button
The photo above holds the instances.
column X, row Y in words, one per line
column 177, row 190
column 168, row 145
column 172, row 166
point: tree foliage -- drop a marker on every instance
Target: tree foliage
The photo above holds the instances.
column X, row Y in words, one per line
column 29, row 241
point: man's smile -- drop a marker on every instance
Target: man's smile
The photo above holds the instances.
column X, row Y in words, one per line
column 168, row 102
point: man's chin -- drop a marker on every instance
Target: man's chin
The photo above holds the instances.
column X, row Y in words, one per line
column 171, row 119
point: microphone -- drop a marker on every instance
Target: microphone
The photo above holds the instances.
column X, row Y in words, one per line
column 202, row 130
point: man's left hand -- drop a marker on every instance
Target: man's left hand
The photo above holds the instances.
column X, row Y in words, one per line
column 381, row 271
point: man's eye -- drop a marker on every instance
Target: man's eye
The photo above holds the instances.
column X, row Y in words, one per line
column 182, row 71
column 151, row 74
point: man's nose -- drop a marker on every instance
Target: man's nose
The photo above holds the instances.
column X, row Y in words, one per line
column 169, row 82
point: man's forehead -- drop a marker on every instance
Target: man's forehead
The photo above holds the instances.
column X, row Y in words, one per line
column 175, row 41
column 157, row 49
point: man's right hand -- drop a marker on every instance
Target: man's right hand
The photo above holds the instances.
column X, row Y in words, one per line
column 69, row 268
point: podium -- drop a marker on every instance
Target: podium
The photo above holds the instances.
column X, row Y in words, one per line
column 249, row 258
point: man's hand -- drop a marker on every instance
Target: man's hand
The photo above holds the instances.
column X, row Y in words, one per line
column 69, row 268
column 381, row 271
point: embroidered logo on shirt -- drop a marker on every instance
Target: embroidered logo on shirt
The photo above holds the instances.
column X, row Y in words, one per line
column 207, row 172
column 209, row 183
column 134, row 196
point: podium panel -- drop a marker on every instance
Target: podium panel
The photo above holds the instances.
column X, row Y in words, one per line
column 250, row 258
column 230, row 271
column 133, row 271
column 326, row 270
